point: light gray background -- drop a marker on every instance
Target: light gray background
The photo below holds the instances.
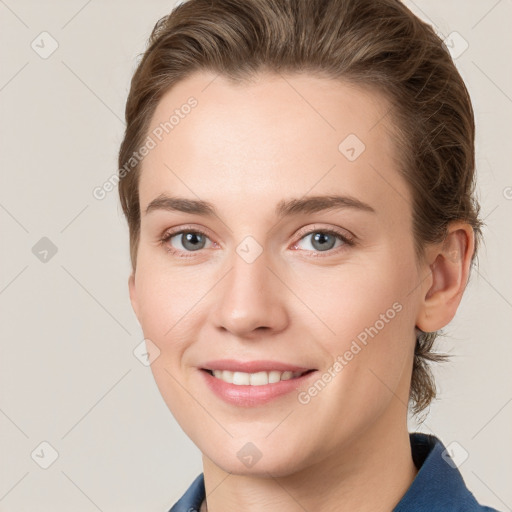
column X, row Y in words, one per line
column 68, row 375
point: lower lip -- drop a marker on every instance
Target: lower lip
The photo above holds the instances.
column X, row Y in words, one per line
column 250, row 396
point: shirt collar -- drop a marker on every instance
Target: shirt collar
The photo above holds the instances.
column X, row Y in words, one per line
column 437, row 486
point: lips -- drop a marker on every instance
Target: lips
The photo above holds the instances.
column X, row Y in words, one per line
column 253, row 383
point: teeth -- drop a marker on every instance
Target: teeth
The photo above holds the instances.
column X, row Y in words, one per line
column 274, row 376
column 254, row 379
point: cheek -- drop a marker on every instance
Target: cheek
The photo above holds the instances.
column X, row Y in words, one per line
column 349, row 300
column 168, row 318
column 169, row 304
column 368, row 315
column 167, row 296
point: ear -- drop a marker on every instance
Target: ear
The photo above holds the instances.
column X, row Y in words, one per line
column 133, row 295
column 449, row 263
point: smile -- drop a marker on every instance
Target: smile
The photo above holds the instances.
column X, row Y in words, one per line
column 255, row 379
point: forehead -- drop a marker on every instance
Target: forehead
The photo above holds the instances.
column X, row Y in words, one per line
column 278, row 135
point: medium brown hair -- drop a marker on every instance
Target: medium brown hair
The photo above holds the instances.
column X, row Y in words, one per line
column 378, row 44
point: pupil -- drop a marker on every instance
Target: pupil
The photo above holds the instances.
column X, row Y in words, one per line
column 321, row 239
column 192, row 239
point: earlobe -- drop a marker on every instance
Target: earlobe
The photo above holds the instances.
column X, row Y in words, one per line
column 133, row 295
column 449, row 264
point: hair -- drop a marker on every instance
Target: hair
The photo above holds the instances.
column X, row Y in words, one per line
column 376, row 44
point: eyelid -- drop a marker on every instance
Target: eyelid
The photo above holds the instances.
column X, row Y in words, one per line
column 186, row 228
column 344, row 234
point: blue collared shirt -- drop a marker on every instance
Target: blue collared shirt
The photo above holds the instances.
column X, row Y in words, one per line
column 438, row 486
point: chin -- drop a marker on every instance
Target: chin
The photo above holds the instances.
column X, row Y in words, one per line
column 251, row 461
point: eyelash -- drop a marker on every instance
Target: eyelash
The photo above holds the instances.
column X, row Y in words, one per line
column 347, row 241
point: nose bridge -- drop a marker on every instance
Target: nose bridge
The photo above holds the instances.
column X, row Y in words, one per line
column 251, row 295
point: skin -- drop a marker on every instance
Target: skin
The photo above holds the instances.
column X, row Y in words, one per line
column 244, row 148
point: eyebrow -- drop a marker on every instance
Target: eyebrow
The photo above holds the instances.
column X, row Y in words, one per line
column 285, row 208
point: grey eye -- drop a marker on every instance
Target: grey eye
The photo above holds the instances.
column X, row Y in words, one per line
column 190, row 240
column 322, row 241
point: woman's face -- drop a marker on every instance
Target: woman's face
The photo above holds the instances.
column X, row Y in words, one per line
column 265, row 274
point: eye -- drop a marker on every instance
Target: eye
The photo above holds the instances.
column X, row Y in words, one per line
column 185, row 241
column 323, row 240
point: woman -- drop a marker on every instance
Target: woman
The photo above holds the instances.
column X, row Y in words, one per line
column 297, row 176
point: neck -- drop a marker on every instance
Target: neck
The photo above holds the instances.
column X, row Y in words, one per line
column 369, row 473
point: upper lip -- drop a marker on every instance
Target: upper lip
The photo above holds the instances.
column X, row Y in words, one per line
column 252, row 366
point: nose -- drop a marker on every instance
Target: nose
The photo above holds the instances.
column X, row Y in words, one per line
column 251, row 298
